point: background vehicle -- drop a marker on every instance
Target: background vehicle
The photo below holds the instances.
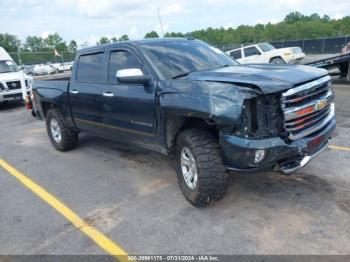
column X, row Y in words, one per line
column 266, row 53
column 195, row 102
column 42, row 69
column 62, row 67
column 340, row 62
column 28, row 69
column 14, row 84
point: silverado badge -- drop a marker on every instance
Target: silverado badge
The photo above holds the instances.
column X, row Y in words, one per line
column 321, row 104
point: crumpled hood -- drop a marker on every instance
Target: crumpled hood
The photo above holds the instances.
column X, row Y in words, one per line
column 269, row 78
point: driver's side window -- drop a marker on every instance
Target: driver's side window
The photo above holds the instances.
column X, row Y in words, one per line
column 121, row 60
column 250, row 51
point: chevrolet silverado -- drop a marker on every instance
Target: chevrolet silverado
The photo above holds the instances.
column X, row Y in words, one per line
column 185, row 98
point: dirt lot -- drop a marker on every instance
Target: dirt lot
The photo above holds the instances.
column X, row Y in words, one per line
column 132, row 197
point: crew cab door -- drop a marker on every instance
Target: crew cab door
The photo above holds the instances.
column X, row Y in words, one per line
column 129, row 108
column 85, row 92
column 252, row 55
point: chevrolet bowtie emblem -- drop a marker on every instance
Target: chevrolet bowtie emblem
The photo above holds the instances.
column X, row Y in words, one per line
column 321, row 104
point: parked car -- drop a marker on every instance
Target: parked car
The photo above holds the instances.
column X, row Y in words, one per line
column 192, row 101
column 14, row 84
column 42, row 69
column 266, row 53
column 28, row 69
column 62, row 67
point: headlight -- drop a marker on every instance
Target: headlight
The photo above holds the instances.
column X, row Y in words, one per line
column 28, row 82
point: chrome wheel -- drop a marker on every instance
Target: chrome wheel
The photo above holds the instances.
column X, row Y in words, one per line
column 188, row 168
column 55, row 130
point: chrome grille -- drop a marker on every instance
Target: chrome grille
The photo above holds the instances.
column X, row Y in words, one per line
column 13, row 85
column 307, row 108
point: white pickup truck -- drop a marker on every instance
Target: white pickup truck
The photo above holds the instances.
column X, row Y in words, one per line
column 14, row 84
column 266, row 53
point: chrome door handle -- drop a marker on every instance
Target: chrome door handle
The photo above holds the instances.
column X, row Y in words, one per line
column 73, row 92
column 108, row 94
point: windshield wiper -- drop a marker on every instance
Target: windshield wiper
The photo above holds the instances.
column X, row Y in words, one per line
column 182, row 74
column 223, row 66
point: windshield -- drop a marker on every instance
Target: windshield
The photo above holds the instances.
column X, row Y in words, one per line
column 7, row 66
column 182, row 57
column 265, row 47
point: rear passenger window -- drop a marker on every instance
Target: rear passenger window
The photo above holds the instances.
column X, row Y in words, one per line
column 237, row 54
column 121, row 60
column 90, row 68
column 250, row 51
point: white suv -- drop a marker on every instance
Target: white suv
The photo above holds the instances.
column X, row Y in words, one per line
column 14, row 84
column 266, row 53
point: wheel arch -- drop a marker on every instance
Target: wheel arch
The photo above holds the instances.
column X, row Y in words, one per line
column 173, row 125
column 275, row 57
column 46, row 106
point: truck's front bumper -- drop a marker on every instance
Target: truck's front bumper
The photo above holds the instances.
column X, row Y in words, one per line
column 289, row 156
column 11, row 96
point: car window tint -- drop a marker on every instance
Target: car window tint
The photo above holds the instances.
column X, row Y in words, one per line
column 90, row 68
column 121, row 60
column 250, row 51
column 237, row 54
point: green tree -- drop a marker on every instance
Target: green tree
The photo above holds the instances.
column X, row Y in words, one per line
column 10, row 42
column 294, row 17
column 124, row 38
column 34, row 43
column 103, row 40
column 55, row 41
column 174, row 34
column 72, row 46
column 152, row 34
column 114, row 39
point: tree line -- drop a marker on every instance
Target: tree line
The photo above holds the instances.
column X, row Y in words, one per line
column 294, row 26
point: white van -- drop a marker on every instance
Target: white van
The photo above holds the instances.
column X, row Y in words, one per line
column 14, row 84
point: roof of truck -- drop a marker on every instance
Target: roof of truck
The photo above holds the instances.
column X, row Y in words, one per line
column 136, row 43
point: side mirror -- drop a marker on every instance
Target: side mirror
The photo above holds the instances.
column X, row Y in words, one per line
column 132, row 76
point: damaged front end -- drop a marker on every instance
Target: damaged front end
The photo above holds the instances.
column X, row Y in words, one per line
column 253, row 127
column 282, row 131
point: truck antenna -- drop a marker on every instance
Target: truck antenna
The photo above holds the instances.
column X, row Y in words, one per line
column 160, row 22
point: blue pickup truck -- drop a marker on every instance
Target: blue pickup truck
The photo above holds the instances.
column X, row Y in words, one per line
column 185, row 98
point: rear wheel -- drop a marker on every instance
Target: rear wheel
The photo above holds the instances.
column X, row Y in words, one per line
column 201, row 173
column 61, row 136
column 278, row 60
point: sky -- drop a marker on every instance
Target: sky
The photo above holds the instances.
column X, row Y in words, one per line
column 86, row 21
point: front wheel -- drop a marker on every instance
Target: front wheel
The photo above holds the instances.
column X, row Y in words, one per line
column 277, row 60
column 201, row 174
column 61, row 136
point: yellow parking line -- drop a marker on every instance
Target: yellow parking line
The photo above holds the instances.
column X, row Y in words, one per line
column 105, row 243
column 340, row 148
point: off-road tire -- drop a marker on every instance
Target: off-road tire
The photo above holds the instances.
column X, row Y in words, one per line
column 212, row 174
column 277, row 60
column 69, row 138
